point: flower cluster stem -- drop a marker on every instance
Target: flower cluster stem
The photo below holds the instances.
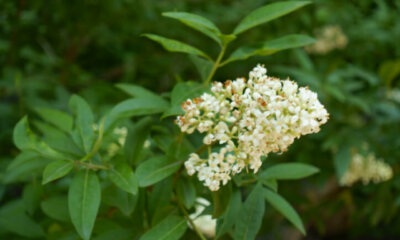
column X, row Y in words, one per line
column 216, row 64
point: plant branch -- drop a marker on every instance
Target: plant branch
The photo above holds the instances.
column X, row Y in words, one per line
column 216, row 65
column 190, row 220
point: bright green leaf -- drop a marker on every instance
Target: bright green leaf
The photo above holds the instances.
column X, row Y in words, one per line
column 56, row 170
column 282, row 206
column 288, row 171
column 84, row 201
column 124, row 178
column 176, row 46
column 171, row 228
column 267, row 13
column 156, row 169
column 269, row 47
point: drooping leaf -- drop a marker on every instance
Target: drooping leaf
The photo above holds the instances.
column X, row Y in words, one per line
column 221, row 200
column 186, row 192
column 171, row 228
column 123, row 176
column 231, row 214
column 269, row 47
column 267, row 13
column 56, row 207
column 288, row 171
column 84, row 201
column 14, row 219
column 60, row 119
column 84, row 121
column 198, row 23
column 250, row 217
column 156, row 169
column 282, row 206
column 56, row 170
column 176, row 46
column 139, row 92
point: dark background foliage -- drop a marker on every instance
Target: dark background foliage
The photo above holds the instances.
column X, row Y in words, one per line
column 51, row 49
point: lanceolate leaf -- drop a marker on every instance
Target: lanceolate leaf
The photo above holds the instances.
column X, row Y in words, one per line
column 280, row 204
column 197, row 22
column 139, row 92
column 171, row 228
column 249, row 220
column 270, row 47
column 221, row 199
column 84, row 201
column 84, row 121
column 268, row 13
column 342, row 160
column 231, row 214
column 61, row 120
column 176, row 46
column 156, row 169
column 56, row 170
column 56, row 207
column 124, row 178
column 186, row 192
column 288, row 171
column 137, row 135
column 138, row 107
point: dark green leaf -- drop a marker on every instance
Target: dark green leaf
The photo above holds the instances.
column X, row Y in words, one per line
column 221, row 200
column 203, row 66
column 342, row 160
column 61, row 120
column 84, row 201
column 56, row 170
column 156, row 169
column 282, row 206
column 175, row 46
column 288, row 171
column 31, row 196
column 139, row 92
column 270, row 183
column 138, row 107
column 186, row 192
column 197, row 22
column 124, row 178
column 137, row 135
column 116, row 197
column 56, row 207
column 231, row 214
column 160, row 196
column 269, row 47
column 249, row 220
column 171, row 228
column 268, row 13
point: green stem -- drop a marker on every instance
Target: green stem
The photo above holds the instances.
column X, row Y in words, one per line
column 97, row 144
column 190, row 220
column 216, row 65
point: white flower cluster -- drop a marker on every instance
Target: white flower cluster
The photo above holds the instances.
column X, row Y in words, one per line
column 367, row 169
column 328, row 38
column 248, row 119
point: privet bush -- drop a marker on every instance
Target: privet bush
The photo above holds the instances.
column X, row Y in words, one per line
column 128, row 174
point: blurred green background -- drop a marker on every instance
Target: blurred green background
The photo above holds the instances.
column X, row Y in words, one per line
column 51, row 49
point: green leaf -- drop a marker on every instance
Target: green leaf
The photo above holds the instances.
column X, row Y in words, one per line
column 186, row 192
column 14, row 219
column 221, row 200
column 139, row 92
column 56, row 170
column 123, row 200
column 282, row 206
column 56, row 207
column 84, row 121
column 342, row 160
column 123, row 176
column 249, row 220
column 138, row 107
column 156, row 169
column 160, row 197
column 231, row 214
column 135, row 139
column 288, row 171
column 267, row 13
column 84, row 201
column 60, row 119
column 270, row 183
column 198, row 23
column 181, row 92
column 176, row 46
column 171, row 228
column 31, row 196
column 269, row 47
